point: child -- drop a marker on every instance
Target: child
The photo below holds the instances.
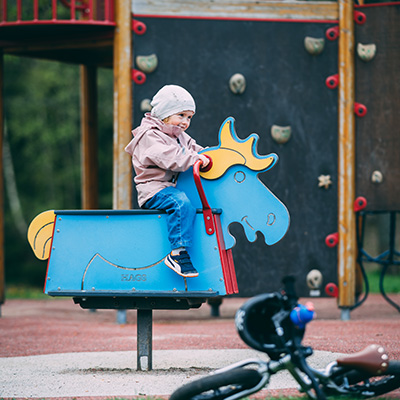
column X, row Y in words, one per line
column 160, row 150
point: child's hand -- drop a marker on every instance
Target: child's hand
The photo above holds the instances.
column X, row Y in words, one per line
column 204, row 160
column 206, row 163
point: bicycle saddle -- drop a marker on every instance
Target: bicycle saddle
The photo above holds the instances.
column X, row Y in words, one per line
column 372, row 359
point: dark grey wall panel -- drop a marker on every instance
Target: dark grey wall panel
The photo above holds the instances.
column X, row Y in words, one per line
column 378, row 88
column 286, row 87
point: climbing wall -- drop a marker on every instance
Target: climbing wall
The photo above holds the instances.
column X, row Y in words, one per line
column 281, row 89
column 378, row 88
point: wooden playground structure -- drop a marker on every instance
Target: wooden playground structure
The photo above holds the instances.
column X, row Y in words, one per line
column 100, row 33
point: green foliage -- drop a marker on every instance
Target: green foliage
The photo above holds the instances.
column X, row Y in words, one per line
column 391, row 282
column 45, row 10
column 42, row 120
column 25, row 292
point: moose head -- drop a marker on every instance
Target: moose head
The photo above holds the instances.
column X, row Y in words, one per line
column 232, row 185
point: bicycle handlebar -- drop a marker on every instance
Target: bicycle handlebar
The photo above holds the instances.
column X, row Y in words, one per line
column 290, row 291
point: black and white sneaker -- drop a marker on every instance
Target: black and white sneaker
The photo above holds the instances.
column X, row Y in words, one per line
column 181, row 264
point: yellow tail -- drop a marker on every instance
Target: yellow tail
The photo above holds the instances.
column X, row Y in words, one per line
column 40, row 233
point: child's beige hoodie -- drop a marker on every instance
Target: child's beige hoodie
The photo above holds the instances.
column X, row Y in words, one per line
column 159, row 152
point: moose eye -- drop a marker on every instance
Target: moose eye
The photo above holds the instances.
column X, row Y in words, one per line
column 240, row 176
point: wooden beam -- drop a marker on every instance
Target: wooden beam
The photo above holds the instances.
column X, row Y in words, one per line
column 231, row 9
column 89, row 142
column 347, row 247
column 122, row 171
column 2, row 268
column 41, row 44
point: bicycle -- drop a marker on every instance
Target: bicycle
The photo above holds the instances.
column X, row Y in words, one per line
column 274, row 323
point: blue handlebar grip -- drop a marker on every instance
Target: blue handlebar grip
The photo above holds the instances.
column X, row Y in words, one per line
column 302, row 314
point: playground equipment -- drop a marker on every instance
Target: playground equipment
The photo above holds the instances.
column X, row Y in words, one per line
column 304, row 80
column 386, row 259
column 290, row 69
column 114, row 259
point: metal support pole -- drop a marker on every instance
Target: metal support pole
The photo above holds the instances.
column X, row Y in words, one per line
column 121, row 317
column 144, row 340
column 347, row 246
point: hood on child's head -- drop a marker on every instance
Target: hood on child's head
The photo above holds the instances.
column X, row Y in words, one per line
column 150, row 123
column 171, row 99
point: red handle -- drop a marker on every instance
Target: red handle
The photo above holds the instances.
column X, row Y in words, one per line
column 209, row 165
column 207, row 213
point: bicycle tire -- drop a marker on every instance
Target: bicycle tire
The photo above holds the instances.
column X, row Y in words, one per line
column 371, row 386
column 218, row 386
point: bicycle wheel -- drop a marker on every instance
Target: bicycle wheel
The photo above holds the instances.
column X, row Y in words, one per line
column 218, row 386
column 370, row 386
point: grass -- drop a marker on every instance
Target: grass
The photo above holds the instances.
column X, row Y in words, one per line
column 25, row 292
column 391, row 283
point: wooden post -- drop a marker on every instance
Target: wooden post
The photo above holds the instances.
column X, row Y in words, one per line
column 347, row 248
column 122, row 65
column 2, row 269
column 89, row 163
column 122, row 171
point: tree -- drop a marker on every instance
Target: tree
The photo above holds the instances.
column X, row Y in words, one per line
column 42, row 168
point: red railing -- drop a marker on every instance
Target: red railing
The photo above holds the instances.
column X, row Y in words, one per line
column 98, row 12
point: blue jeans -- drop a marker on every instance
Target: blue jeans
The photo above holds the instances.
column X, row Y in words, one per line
column 180, row 218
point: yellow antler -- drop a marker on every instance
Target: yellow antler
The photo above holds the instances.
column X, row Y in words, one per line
column 234, row 151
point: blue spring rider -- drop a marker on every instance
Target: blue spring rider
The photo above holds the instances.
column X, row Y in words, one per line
column 120, row 253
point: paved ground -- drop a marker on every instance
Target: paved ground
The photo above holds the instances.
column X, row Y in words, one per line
column 53, row 348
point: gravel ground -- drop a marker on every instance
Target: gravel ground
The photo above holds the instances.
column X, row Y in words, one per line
column 54, row 349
